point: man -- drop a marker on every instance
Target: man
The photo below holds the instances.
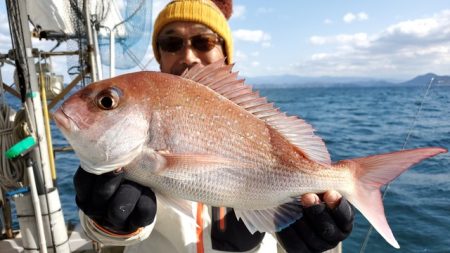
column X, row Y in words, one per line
column 119, row 212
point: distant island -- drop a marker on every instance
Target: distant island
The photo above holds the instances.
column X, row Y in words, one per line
column 290, row 81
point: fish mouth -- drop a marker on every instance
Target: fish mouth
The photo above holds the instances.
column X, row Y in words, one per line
column 62, row 120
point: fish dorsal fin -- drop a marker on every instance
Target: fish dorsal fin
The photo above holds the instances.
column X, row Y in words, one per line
column 219, row 78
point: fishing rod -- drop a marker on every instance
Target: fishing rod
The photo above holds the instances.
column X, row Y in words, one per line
column 386, row 189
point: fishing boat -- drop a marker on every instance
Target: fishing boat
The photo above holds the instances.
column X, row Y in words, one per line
column 88, row 34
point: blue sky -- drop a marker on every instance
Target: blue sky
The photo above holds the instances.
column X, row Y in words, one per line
column 394, row 40
column 382, row 39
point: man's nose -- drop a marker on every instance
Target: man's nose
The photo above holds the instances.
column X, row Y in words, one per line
column 189, row 55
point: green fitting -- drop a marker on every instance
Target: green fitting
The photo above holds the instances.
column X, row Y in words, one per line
column 20, row 147
column 32, row 94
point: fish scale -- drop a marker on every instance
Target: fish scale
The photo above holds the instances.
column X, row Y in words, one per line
column 207, row 137
column 232, row 148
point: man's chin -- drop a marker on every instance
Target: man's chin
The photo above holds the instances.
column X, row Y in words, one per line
column 180, row 70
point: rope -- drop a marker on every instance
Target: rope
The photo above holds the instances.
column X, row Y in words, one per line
column 11, row 172
column 416, row 116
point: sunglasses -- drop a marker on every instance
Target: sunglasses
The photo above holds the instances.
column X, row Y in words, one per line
column 202, row 42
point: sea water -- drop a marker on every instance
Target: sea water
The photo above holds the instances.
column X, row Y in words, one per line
column 357, row 122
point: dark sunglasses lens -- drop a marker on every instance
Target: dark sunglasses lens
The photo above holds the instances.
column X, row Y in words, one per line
column 204, row 43
column 171, row 44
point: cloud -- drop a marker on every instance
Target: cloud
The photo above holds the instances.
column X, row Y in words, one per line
column 327, row 21
column 350, row 17
column 4, row 25
column 5, row 37
column 240, row 56
column 255, row 63
column 415, row 28
column 357, row 39
column 263, row 10
column 256, row 36
column 5, row 43
column 238, row 11
column 363, row 16
column 266, row 44
column 411, row 46
column 319, row 40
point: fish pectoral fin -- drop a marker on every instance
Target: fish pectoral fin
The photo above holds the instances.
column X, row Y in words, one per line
column 270, row 220
column 166, row 161
column 195, row 159
column 162, row 161
column 154, row 160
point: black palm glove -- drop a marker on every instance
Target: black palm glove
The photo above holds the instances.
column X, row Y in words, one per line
column 116, row 204
column 319, row 229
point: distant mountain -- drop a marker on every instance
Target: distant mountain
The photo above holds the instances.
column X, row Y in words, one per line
column 425, row 79
column 287, row 81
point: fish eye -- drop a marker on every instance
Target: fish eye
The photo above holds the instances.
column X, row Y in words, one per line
column 108, row 99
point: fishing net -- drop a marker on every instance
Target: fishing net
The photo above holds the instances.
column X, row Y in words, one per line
column 64, row 23
column 131, row 22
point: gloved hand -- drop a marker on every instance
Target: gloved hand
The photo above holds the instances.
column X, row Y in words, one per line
column 322, row 226
column 119, row 205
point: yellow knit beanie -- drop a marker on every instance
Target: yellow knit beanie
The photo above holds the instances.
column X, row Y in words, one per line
column 199, row 11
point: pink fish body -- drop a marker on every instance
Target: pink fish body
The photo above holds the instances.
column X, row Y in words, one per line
column 207, row 137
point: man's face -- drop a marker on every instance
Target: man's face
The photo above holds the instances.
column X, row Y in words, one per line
column 199, row 45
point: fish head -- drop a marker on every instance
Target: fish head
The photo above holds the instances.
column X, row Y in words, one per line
column 105, row 123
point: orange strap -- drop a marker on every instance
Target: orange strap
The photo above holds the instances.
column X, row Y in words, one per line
column 105, row 230
column 200, row 247
column 222, row 212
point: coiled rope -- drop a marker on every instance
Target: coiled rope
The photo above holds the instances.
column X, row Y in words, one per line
column 11, row 172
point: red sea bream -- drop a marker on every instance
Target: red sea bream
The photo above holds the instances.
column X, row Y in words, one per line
column 207, row 137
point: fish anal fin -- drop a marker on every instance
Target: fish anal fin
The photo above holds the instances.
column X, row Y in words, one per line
column 270, row 220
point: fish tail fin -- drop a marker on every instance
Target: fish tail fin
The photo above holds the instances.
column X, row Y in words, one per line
column 372, row 172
